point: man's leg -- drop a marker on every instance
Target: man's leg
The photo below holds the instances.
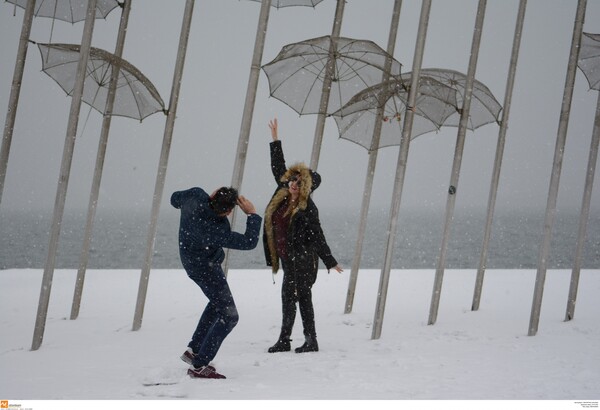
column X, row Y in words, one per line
column 220, row 315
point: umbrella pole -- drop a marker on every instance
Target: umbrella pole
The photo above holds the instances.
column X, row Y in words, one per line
column 585, row 212
column 458, row 152
column 244, row 137
column 499, row 154
column 329, row 70
column 556, row 169
column 15, row 91
column 162, row 167
column 373, row 153
column 94, row 194
column 401, row 169
column 63, row 180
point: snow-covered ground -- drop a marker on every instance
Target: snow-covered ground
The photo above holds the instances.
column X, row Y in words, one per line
column 483, row 355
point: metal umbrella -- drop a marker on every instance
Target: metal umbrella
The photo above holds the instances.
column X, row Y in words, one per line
column 374, row 119
column 589, row 64
column 297, row 73
column 435, row 103
column 136, row 97
column 38, row 9
column 484, row 108
column 68, row 10
column 290, row 3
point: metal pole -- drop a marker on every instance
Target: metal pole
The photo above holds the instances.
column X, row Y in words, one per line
column 373, row 151
column 162, row 167
column 63, row 180
column 15, row 91
column 329, row 70
column 401, row 169
column 244, row 137
column 556, row 169
column 585, row 213
column 95, row 191
column 499, row 154
column 458, row 152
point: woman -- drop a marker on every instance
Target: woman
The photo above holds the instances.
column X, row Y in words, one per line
column 293, row 234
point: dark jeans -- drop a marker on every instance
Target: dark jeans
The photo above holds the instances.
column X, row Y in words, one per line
column 219, row 317
column 297, row 288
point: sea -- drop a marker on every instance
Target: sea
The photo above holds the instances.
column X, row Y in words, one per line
column 119, row 240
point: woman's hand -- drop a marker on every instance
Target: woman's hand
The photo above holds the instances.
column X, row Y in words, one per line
column 338, row 268
column 273, row 127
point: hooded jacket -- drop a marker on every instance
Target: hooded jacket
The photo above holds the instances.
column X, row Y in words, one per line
column 305, row 239
column 203, row 234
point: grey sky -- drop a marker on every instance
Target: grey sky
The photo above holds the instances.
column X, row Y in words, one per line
column 213, row 91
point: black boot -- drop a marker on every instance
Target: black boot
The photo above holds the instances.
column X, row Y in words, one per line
column 310, row 345
column 282, row 345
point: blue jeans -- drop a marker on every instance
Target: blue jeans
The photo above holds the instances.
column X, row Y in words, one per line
column 219, row 317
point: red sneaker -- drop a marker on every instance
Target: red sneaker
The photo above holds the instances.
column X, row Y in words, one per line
column 204, row 372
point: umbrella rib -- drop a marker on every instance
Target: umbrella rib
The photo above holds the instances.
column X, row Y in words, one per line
column 137, row 103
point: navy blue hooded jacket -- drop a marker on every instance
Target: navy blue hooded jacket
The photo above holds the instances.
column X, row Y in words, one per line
column 203, row 234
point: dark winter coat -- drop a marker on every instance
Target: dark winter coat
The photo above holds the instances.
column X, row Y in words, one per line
column 203, row 234
column 305, row 240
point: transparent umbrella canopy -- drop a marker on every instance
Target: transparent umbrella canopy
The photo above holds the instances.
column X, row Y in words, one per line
column 136, row 97
column 434, row 105
column 484, row 109
column 296, row 75
column 67, row 10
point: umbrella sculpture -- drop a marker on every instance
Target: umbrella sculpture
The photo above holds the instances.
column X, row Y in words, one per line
column 39, row 9
column 67, row 10
column 485, row 109
column 319, row 75
column 589, row 64
column 436, row 102
column 297, row 72
column 136, row 97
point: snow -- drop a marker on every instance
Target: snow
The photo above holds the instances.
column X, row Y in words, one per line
column 483, row 355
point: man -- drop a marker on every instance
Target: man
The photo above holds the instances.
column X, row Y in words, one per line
column 204, row 231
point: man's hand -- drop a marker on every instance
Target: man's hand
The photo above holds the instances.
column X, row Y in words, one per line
column 273, row 127
column 246, row 205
